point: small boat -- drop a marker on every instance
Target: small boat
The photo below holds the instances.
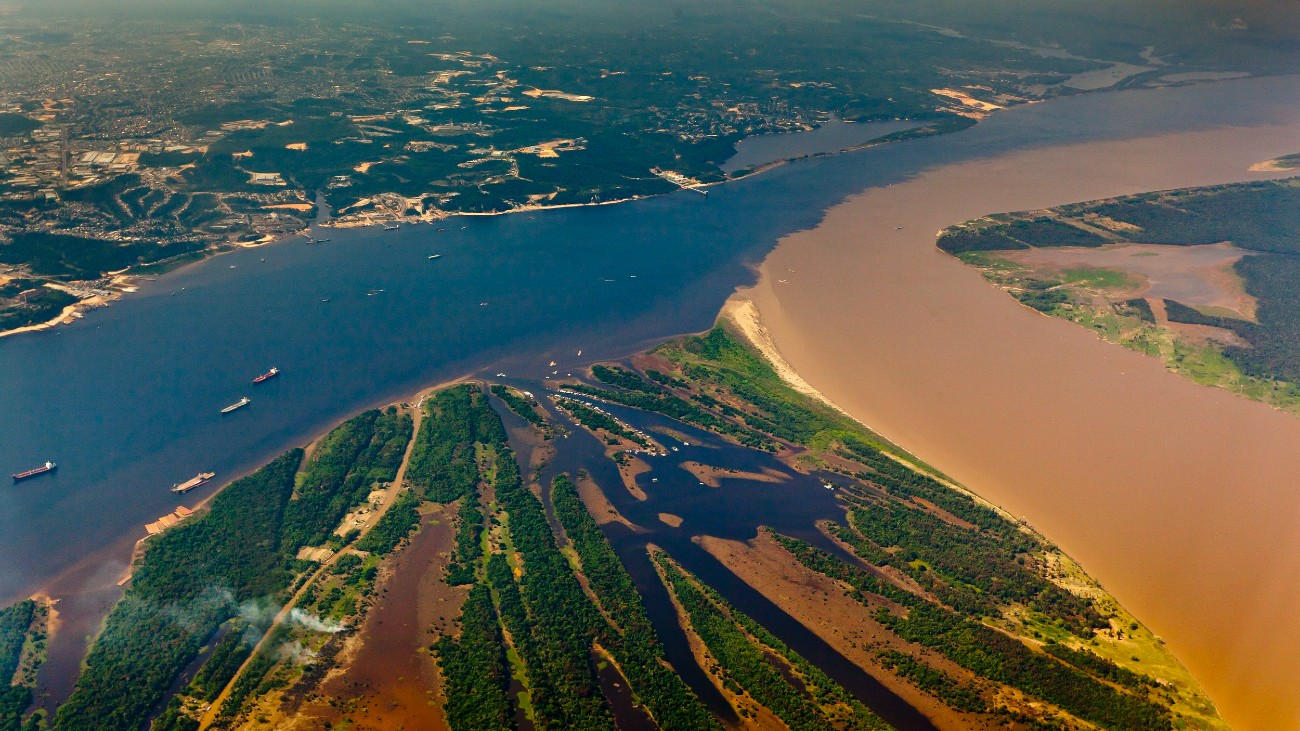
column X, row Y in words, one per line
column 199, row 479
column 241, row 403
column 268, row 375
column 27, row 474
column 435, row 256
column 442, row 229
column 322, row 241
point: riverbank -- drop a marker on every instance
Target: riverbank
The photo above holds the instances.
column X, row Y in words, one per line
column 1166, row 492
column 87, row 591
column 123, row 283
column 778, row 483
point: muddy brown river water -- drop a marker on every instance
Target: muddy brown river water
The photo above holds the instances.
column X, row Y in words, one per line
column 1183, row 500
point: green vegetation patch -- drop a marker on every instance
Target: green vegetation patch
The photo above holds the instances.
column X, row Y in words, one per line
column 442, row 463
column 521, row 404
column 13, row 124
column 650, row 397
column 399, row 522
column 750, row 659
column 937, row 683
column 631, row 639
column 1097, row 278
column 35, row 306
column 76, row 257
column 352, row 460
column 991, row 654
column 1261, row 217
column 596, row 420
column 474, row 666
column 239, row 553
column 16, row 623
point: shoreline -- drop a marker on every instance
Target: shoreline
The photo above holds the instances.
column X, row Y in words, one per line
column 77, row 310
column 89, row 577
column 415, row 400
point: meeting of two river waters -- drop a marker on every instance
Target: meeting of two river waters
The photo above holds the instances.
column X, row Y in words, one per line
column 727, row 444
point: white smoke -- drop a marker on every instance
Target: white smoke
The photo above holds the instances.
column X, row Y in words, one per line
column 256, row 615
column 298, row 653
column 312, row 622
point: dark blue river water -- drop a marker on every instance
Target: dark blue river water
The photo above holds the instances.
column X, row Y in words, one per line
column 127, row 400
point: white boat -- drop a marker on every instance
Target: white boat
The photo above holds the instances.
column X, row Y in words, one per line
column 241, row 403
column 193, row 482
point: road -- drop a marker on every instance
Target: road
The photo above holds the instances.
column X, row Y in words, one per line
column 390, row 496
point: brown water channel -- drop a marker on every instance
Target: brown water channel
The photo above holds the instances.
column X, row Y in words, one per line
column 1183, row 500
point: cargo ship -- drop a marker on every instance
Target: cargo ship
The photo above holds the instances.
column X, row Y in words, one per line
column 241, row 403
column 394, row 227
column 27, row 474
column 268, row 375
column 199, row 479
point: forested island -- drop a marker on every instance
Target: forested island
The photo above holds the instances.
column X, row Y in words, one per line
column 1205, row 279
column 612, row 551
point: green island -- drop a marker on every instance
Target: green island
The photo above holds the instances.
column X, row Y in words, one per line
column 23, row 630
column 256, row 611
column 1225, row 259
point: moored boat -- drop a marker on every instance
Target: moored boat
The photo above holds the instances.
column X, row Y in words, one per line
column 268, row 375
column 241, row 403
column 27, row 474
column 195, row 481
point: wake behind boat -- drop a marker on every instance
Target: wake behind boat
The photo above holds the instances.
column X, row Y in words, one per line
column 195, row 481
column 268, row 375
column 241, row 403
column 35, row 472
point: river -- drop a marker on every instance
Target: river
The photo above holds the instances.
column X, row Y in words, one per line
column 127, row 399
column 1181, row 499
